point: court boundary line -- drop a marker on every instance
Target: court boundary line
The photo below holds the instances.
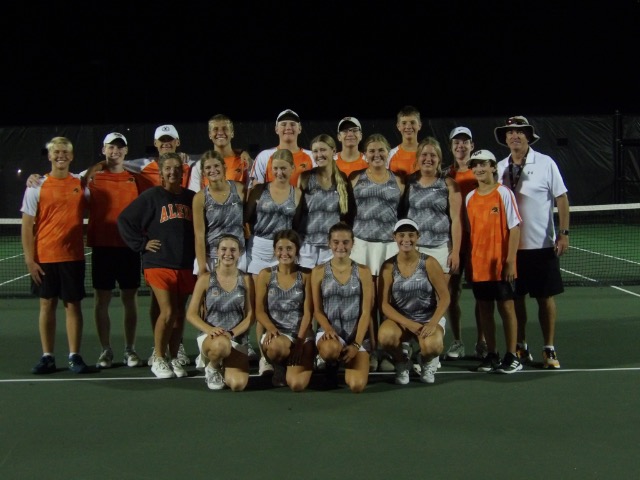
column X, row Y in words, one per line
column 93, row 378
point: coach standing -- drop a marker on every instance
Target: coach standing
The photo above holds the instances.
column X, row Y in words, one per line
column 537, row 183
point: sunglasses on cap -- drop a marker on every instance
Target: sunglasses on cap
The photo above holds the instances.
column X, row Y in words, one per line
column 517, row 121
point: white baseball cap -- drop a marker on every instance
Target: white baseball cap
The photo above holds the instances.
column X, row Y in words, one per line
column 114, row 136
column 352, row 120
column 460, row 131
column 288, row 114
column 168, row 130
column 481, row 155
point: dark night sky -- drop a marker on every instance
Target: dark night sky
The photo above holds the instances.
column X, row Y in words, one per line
column 138, row 61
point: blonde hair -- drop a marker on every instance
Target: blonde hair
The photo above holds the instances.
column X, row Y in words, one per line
column 376, row 137
column 55, row 141
column 283, row 154
column 341, row 184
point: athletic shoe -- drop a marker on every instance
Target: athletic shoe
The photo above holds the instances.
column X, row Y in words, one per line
column 131, row 358
column 385, row 364
column 428, row 370
column 77, row 365
column 152, row 357
column 253, row 355
column 481, row 350
column 264, row 367
column 213, row 377
column 510, row 364
column 489, row 363
column 455, row 351
column 523, row 354
column 105, row 360
column 182, row 356
column 402, row 371
column 161, row 368
column 279, row 378
column 178, row 368
column 46, row 365
column 373, row 361
column 550, row 358
column 319, row 365
column 402, row 366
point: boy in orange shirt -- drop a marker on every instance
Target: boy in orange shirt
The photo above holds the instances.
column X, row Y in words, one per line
column 52, row 240
column 494, row 223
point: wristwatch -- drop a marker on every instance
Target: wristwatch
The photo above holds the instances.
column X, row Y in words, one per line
column 563, row 232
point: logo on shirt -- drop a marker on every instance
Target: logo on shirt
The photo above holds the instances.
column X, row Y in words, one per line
column 495, row 210
column 215, row 292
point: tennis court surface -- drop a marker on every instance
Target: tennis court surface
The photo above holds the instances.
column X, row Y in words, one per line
column 577, row 423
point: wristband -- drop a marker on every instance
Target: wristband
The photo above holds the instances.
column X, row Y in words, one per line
column 356, row 344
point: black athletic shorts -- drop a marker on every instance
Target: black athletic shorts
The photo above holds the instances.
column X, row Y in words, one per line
column 64, row 280
column 490, row 291
column 115, row 264
column 538, row 273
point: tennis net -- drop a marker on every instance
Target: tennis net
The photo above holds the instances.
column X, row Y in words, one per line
column 14, row 278
column 603, row 250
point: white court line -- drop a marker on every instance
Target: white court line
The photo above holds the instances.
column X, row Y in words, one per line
column 95, row 377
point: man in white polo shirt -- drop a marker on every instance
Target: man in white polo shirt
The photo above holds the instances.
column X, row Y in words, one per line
column 537, row 183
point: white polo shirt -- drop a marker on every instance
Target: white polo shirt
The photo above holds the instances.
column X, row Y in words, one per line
column 539, row 185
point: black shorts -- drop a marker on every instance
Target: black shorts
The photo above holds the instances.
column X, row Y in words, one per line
column 115, row 264
column 64, row 280
column 538, row 273
column 493, row 291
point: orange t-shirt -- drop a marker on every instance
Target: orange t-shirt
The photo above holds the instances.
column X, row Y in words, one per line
column 301, row 162
column 150, row 176
column 348, row 167
column 466, row 181
column 491, row 216
column 58, row 207
column 403, row 162
column 236, row 171
column 109, row 194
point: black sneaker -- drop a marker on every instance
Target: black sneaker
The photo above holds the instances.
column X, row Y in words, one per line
column 510, row 364
column 490, row 363
column 47, row 364
column 77, row 365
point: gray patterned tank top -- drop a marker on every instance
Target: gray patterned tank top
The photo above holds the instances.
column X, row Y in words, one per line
column 342, row 302
column 285, row 306
column 413, row 296
column 377, row 208
column 429, row 208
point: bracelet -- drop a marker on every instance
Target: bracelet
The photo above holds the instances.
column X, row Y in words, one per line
column 357, row 345
column 230, row 332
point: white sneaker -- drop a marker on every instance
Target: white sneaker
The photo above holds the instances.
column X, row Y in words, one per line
column 178, row 369
column 402, row 372
column 428, row 370
column 456, row 350
column 319, row 364
column 279, row 378
column 182, row 356
column 152, row 357
column 131, row 358
column 161, row 368
column 402, row 366
column 105, row 360
column 373, row 361
column 213, row 377
column 264, row 367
